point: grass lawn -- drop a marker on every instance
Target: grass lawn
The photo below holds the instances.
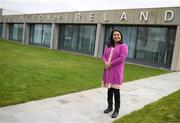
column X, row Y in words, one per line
column 31, row 73
column 165, row 110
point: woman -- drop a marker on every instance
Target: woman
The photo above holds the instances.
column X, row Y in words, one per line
column 114, row 59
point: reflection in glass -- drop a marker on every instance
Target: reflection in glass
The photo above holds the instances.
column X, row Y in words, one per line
column 15, row 32
column 1, row 30
column 153, row 44
column 78, row 38
column 148, row 44
column 40, row 34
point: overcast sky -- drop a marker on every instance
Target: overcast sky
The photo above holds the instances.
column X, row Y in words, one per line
column 39, row 6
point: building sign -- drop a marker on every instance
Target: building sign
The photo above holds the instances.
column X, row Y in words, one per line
column 73, row 17
column 169, row 15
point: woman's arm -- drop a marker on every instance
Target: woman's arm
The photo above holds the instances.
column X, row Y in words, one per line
column 122, row 56
column 106, row 63
column 104, row 56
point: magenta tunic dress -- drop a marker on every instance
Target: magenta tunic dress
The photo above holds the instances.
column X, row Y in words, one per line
column 114, row 76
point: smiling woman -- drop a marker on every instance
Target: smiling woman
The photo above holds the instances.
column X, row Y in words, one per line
column 113, row 75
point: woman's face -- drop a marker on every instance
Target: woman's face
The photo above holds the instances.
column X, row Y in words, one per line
column 116, row 36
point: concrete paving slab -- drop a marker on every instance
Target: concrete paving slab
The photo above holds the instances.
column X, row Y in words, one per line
column 87, row 106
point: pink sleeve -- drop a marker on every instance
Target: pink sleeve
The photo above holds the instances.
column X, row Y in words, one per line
column 104, row 56
column 122, row 56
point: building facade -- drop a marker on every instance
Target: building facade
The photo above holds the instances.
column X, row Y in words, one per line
column 152, row 35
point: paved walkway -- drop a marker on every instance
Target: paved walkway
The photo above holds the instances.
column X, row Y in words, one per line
column 87, row 106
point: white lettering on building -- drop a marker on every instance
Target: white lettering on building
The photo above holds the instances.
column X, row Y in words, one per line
column 40, row 18
column 60, row 17
column 48, row 18
column 105, row 17
column 169, row 15
column 21, row 18
column 123, row 16
column 91, row 16
column 143, row 16
column 78, row 17
column 11, row 18
column 66, row 16
column 55, row 18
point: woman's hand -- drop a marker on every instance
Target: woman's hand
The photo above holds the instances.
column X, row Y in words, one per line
column 107, row 65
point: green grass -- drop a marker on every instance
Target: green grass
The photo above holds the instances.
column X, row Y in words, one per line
column 165, row 110
column 29, row 73
column 135, row 72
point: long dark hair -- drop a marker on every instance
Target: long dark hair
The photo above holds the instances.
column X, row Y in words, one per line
column 111, row 42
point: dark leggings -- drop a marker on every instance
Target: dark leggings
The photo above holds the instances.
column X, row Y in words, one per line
column 116, row 93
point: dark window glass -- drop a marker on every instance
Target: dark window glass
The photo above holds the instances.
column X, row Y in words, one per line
column 15, row 32
column 40, row 34
column 78, row 38
column 1, row 30
column 153, row 45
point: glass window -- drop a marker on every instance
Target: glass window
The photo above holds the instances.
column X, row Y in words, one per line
column 86, row 39
column 78, row 38
column 46, row 39
column 152, row 45
column 170, row 45
column 1, row 30
column 37, row 35
column 40, row 34
column 15, row 32
column 69, row 37
column 129, row 36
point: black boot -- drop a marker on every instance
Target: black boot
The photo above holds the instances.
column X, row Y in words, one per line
column 115, row 114
column 109, row 100
column 117, row 103
column 109, row 109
